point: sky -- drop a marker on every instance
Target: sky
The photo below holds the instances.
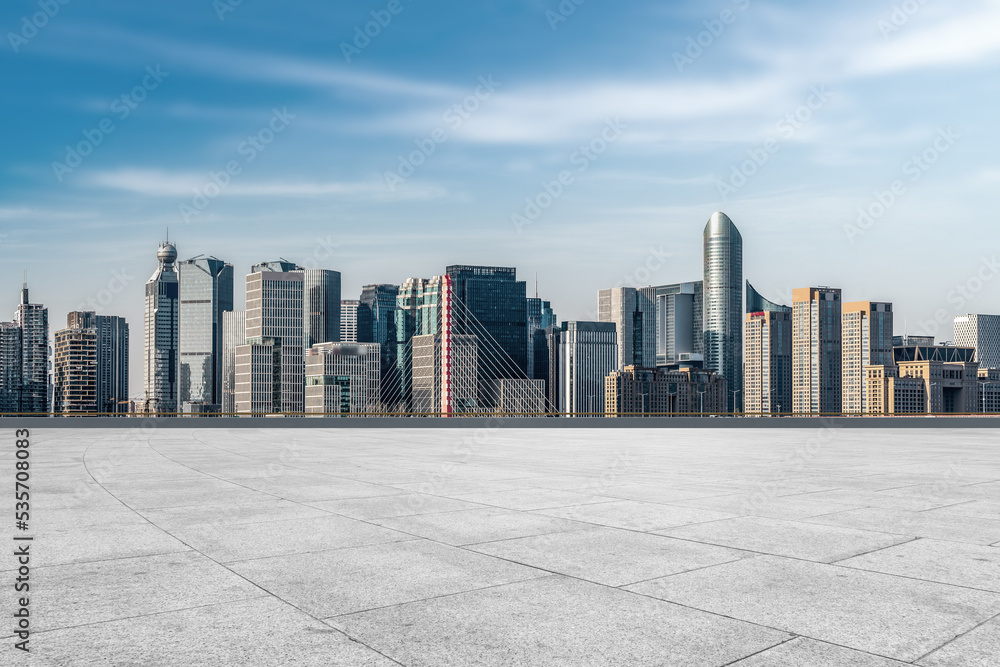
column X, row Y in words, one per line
column 582, row 141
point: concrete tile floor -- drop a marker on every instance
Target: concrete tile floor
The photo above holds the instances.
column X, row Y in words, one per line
column 706, row 548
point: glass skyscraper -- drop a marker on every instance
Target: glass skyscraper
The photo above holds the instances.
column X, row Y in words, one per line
column 723, row 304
column 161, row 332
column 756, row 303
column 378, row 303
column 206, row 292
column 321, row 310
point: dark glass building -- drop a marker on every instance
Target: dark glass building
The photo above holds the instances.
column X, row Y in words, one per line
column 377, row 316
column 758, row 304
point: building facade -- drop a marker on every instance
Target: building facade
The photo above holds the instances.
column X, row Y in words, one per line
column 112, row 357
column 321, row 309
column 234, row 334
column 349, row 320
column 889, row 393
column 664, row 391
column 74, row 371
column 983, row 333
column 767, row 362
column 723, row 304
column 816, row 350
column 378, row 302
column 343, row 378
column 756, row 303
column 633, row 312
column 10, row 368
column 989, row 390
column 161, row 329
column 206, row 294
column 679, row 331
column 950, row 375
column 866, row 340
column 588, row 352
column 33, row 321
column 445, row 374
column 270, row 370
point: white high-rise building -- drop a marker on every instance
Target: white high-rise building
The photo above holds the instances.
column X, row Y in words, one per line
column 633, row 312
column 349, row 320
column 234, row 334
column 983, row 333
column 161, row 326
column 343, row 378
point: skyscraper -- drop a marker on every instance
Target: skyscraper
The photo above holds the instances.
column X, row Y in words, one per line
column 541, row 317
column 234, row 334
column 767, row 362
column 723, row 304
column 588, row 352
column 321, row 310
column 680, row 336
column 418, row 313
column 270, row 366
column 816, row 350
column 633, row 312
column 206, row 293
column 492, row 305
column 378, row 302
column 349, row 320
column 983, row 333
column 10, row 368
column 74, row 386
column 161, row 327
column 112, row 357
column 866, row 340
column 33, row 320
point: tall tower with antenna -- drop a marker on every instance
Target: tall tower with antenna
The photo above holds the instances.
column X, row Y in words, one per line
column 161, row 328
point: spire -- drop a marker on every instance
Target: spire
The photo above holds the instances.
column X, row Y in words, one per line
column 536, row 284
column 24, row 288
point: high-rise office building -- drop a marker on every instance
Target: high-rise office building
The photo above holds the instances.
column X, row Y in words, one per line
column 983, row 333
column 767, row 362
column 112, row 357
column 378, row 303
column 418, row 313
column 206, row 294
column 343, row 378
column 74, row 370
column 10, row 368
column 349, row 320
column 445, row 373
column 270, row 372
column 540, row 317
column 723, row 304
column 816, row 350
column 322, row 307
column 161, row 328
column 866, row 340
column 588, row 352
column 680, row 335
column 33, row 320
column 756, row 303
column 633, row 312
column 234, row 334
column 491, row 304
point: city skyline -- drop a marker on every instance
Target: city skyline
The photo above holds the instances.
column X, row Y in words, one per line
column 874, row 100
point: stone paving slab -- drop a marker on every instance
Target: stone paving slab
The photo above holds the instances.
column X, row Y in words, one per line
column 421, row 547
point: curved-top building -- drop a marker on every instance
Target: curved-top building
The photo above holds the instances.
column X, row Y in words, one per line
column 723, row 305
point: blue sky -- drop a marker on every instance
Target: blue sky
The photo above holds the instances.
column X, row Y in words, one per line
column 789, row 118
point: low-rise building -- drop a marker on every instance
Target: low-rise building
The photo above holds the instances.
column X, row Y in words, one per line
column 663, row 391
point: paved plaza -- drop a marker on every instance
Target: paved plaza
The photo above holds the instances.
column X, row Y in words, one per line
column 437, row 548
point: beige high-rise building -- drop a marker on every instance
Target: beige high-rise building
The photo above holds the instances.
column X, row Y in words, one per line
column 816, row 350
column 75, row 371
column 767, row 362
column 866, row 340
